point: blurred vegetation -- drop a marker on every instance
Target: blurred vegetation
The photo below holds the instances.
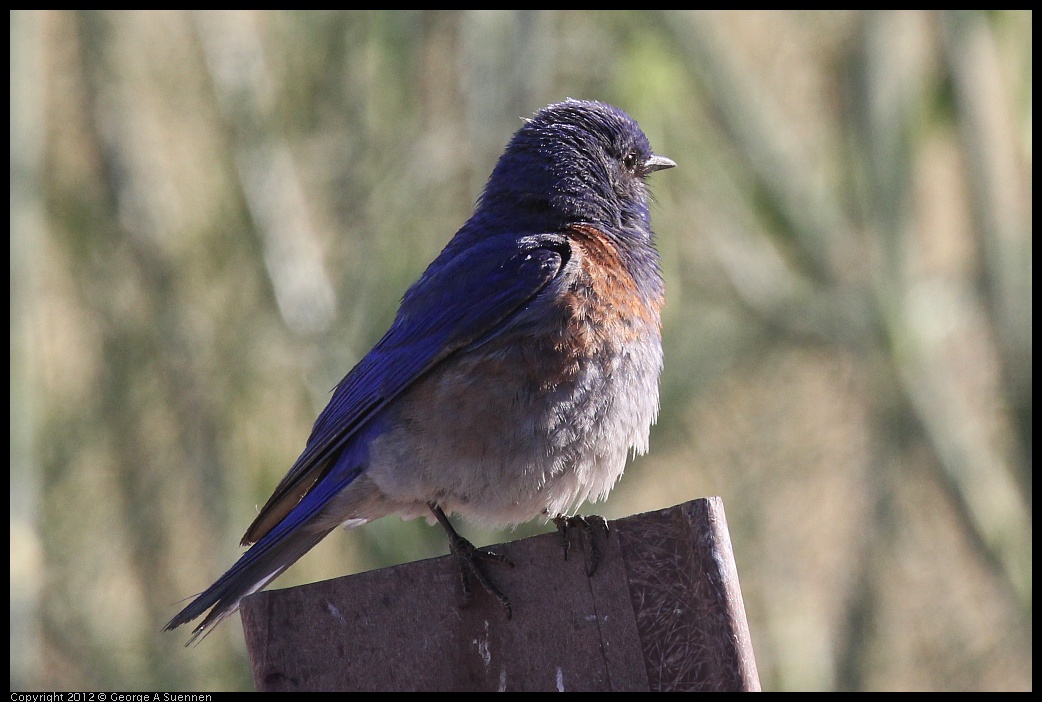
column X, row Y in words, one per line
column 214, row 215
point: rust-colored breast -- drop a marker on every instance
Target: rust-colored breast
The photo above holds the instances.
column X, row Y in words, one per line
column 608, row 309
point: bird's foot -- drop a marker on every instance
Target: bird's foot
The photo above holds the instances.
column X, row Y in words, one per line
column 592, row 526
column 470, row 567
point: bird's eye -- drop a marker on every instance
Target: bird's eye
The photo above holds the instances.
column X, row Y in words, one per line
column 630, row 161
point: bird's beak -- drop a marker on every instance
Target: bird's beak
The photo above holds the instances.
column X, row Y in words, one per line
column 658, row 163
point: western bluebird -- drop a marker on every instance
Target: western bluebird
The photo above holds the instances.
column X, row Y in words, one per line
column 520, row 371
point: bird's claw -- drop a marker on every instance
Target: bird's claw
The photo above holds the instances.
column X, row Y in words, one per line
column 591, row 525
column 468, row 556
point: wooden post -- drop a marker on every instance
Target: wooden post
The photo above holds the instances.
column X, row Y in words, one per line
column 663, row 612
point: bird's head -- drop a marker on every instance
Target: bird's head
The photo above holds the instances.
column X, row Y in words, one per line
column 575, row 162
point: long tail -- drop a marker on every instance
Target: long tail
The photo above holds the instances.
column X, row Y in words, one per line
column 263, row 562
column 254, row 570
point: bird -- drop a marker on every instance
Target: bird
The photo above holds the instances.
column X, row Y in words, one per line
column 520, row 372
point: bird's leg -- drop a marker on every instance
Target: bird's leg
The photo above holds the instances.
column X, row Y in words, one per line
column 591, row 525
column 467, row 556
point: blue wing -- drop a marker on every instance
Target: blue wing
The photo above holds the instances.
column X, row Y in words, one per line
column 468, row 294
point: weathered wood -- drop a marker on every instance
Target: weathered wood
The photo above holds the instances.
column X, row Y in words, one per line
column 664, row 611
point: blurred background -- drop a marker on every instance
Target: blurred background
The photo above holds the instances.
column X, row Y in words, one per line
column 214, row 215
